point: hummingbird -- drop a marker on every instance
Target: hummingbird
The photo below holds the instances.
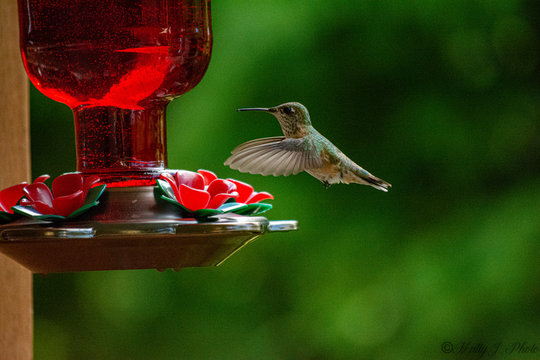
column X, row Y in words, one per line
column 302, row 148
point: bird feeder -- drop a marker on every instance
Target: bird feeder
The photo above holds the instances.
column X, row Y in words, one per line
column 117, row 64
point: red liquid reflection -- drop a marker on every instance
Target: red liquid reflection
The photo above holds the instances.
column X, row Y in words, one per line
column 117, row 64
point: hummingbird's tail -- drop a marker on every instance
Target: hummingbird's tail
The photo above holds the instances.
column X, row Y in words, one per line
column 356, row 174
column 377, row 183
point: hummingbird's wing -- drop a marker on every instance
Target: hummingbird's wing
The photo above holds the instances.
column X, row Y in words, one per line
column 275, row 156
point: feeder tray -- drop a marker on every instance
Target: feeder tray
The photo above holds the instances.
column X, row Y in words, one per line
column 130, row 230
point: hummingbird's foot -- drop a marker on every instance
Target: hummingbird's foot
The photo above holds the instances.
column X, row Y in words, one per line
column 326, row 184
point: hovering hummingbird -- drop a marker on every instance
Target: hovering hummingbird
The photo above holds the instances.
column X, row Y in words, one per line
column 302, row 148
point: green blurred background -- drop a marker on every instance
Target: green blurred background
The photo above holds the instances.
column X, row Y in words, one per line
column 439, row 97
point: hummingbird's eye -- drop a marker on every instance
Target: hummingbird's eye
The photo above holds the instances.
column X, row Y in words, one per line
column 288, row 110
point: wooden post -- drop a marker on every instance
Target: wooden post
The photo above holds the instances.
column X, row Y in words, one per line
column 16, row 311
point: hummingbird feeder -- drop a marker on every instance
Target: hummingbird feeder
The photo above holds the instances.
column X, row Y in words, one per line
column 117, row 64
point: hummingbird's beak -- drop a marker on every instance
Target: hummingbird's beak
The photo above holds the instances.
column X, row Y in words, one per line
column 255, row 109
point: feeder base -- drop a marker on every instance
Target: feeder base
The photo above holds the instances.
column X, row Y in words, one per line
column 130, row 230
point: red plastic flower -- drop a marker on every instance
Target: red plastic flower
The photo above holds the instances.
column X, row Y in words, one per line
column 68, row 194
column 247, row 195
column 199, row 190
column 201, row 194
column 10, row 196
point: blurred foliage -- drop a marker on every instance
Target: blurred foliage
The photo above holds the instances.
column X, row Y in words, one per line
column 439, row 97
